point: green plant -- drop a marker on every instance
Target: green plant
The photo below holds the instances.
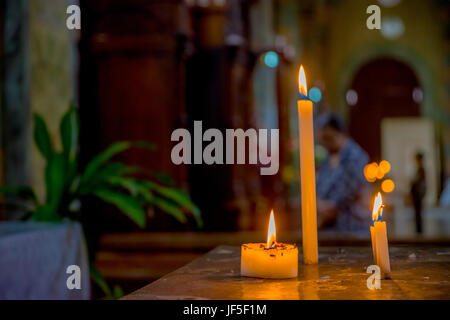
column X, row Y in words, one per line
column 112, row 182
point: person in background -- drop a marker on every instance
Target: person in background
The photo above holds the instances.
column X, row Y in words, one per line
column 343, row 194
column 418, row 190
column 444, row 201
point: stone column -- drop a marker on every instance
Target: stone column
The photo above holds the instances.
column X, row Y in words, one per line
column 15, row 98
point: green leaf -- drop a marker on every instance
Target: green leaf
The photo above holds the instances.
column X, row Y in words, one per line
column 69, row 129
column 169, row 208
column 179, row 197
column 128, row 183
column 99, row 280
column 105, row 156
column 128, row 205
column 117, row 292
column 142, row 189
column 55, row 177
column 164, row 178
column 42, row 137
column 139, row 188
column 104, row 174
column 22, row 192
column 46, row 213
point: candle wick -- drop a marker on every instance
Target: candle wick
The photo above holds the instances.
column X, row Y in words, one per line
column 303, row 97
column 272, row 245
column 380, row 216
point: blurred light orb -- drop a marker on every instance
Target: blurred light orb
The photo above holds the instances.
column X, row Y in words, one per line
column 385, row 166
column 380, row 173
column 315, row 94
column 387, row 186
column 389, row 3
column 370, row 172
column 392, row 27
column 352, row 97
column 417, row 95
column 271, row 59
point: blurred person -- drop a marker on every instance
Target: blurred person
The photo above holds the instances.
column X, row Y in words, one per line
column 418, row 189
column 444, row 201
column 343, row 194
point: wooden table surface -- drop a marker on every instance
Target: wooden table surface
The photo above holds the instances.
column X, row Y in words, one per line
column 417, row 273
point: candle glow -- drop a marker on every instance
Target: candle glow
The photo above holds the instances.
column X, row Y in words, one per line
column 302, row 86
column 271, row 233
column 377, row 212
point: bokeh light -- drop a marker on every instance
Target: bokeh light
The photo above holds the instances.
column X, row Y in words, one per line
column 315, row 94
column 385, row 166
column 370, row 172
column 392, row 27
column 352, row 97
column 380, row 173
column 271, row 59
column 417, row 95
column 387, row 186
column 389, row 3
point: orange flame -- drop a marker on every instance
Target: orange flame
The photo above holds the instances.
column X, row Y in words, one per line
column 302, row 87
column 377, row 207
column 271, row 233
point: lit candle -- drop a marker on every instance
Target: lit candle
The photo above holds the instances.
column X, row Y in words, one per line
column 270, row 260
column 307, row 172
column 378, row 233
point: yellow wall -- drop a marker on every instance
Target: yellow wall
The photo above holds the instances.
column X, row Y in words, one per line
column 351, row 44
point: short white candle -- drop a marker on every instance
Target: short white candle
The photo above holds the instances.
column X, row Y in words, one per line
column 378, row 232
column 269, row 260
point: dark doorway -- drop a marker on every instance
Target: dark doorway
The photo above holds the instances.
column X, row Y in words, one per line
column 384, row 88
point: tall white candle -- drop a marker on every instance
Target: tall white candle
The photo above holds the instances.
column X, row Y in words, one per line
column 307, row 173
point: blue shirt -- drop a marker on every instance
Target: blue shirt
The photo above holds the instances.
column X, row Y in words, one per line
column 346, row 186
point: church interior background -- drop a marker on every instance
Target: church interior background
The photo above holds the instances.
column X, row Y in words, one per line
column 137, row 70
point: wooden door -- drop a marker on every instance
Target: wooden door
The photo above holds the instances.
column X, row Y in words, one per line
column 384, row 88
column 131, row 85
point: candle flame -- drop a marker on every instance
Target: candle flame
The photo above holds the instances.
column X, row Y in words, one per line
column 377, row 212
column 302, row 87
column 271, row 233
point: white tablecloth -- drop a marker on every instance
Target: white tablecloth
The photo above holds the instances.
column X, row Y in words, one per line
column 34, row 258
